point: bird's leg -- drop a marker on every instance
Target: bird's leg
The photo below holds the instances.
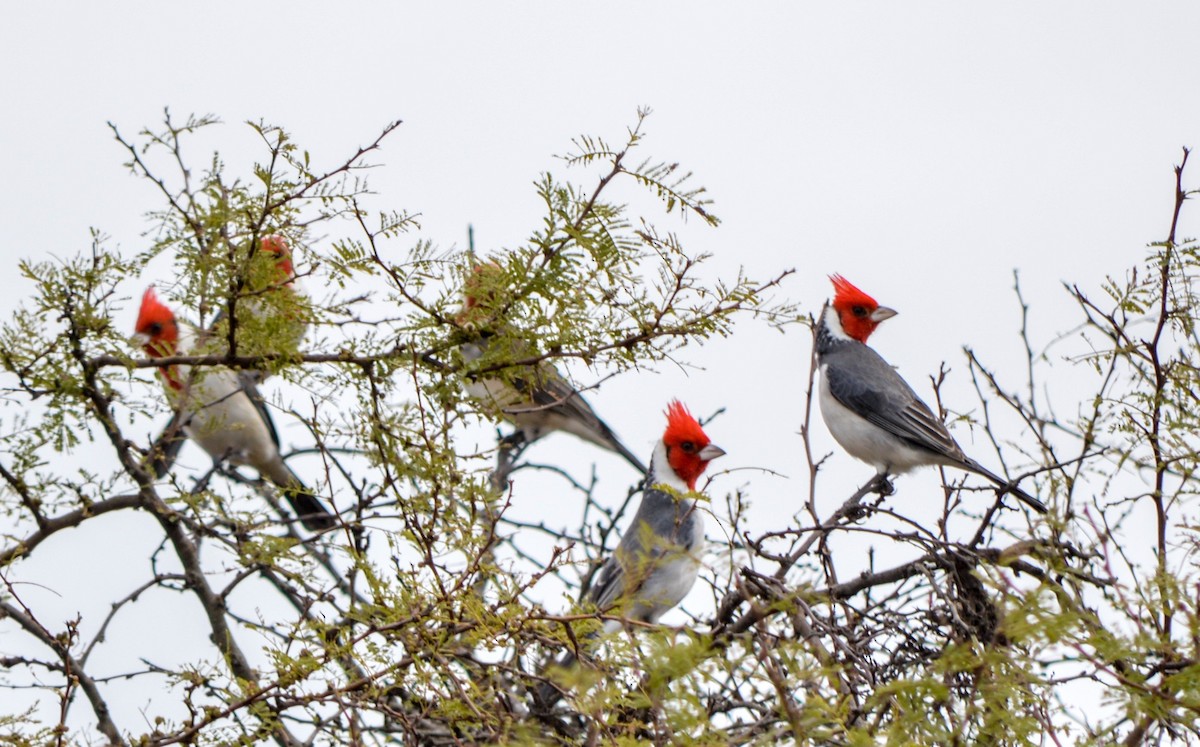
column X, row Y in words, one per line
column 514, row 441
column 508, row 451
column 883, row 485
column 510, row 448
column 854, row 508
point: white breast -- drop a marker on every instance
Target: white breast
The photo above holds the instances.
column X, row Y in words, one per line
column 865, row 441
column 224, row 422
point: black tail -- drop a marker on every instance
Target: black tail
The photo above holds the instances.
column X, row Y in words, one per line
column 629, row 456
column 309, row 509
column 614, row 444
column 1027, row 499
column 1007, row 487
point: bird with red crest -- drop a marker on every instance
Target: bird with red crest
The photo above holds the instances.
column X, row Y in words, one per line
column 657, row 560
column 536, row 398
column 272, row 309
column 220, row 410
column 870, row 410
column 272, row 313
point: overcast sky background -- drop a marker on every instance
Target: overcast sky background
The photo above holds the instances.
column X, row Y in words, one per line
column 923, row 150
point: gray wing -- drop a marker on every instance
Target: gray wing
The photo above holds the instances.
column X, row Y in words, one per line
column 664, row 522
column 863, row 382
column 545, row 387
column 610, row 587
column 548, row 390
column 552, row 392
column 249, row 382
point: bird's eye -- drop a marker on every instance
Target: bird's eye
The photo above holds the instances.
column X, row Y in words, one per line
column 688, row 447
column 859, row 311
column 156, row 329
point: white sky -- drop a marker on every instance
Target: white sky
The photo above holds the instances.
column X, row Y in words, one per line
column 924, row 150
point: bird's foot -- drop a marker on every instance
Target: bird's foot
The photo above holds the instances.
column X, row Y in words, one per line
column 514, row 441
column 857, row 513
column 884, row 486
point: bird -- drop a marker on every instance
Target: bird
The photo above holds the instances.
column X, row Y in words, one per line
column 271, row 304
column 221, row 410
column 277, row 316
column 869, row 409
column 657, row 561
column 536, row 398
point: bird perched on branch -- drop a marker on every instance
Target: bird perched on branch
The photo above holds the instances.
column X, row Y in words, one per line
column 657, row 560
column 222, row 410
column 534, row 396
column 271, row 306
column 271, row 310
column 869, row 409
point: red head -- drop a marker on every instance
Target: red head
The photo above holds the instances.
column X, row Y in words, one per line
column 688, row 448
column 156, row 326
column 479, row 291
column 277, row 245
column 859, row 313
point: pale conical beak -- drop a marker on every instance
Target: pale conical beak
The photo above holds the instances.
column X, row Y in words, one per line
column 710, row 452
column 883, row 312
column 139, row 340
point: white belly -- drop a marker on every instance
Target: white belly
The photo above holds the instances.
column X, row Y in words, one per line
column 865, row 441
column 673, row 577
column 493, row 394
column 224, row 422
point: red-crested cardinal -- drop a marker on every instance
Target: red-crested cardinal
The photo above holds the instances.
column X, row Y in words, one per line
column 536, row 398
column 657, row 560
column 869, row 409
column 272, row 308
column 222, row 411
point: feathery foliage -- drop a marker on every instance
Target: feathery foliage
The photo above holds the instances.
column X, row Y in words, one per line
column 428, row 615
